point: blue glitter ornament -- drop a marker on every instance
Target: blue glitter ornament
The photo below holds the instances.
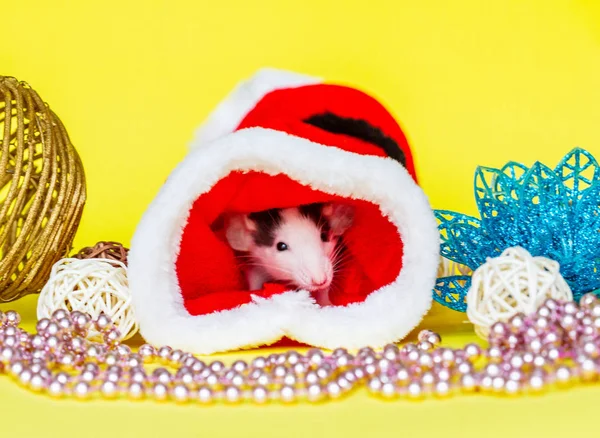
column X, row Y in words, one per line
column 551, row 213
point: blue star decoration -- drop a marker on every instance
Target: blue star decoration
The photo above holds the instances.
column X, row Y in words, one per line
column 554, row 213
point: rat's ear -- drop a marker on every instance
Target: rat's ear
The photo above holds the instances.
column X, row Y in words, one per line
column 340, row 217
column 238, row 231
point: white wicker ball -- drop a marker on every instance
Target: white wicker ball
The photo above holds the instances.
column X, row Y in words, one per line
column 514, row 282
column 93, row 286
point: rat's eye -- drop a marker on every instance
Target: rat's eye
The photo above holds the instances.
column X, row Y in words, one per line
column 281, row 246
column 324, row 237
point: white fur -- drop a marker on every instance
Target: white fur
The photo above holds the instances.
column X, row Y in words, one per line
column 231, row 111
column 387, row 314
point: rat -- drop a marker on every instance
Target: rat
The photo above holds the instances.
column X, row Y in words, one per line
column 299, row 246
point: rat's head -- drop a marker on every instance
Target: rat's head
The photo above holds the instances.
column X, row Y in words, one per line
column 296, row 245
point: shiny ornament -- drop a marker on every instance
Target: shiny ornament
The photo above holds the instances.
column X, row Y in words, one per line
column 511, row 284
column 42, row 190
column 59, row 361
column 552, row 213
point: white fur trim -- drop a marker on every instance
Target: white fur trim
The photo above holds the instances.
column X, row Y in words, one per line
column 387, row 314
column 231, row 111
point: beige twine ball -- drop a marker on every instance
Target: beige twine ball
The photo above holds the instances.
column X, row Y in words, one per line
column 515, row 282
column 92, row 286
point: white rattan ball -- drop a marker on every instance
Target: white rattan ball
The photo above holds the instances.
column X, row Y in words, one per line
column 93, row 286
column 514, row 282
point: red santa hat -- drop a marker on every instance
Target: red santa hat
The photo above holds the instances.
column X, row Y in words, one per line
column 282, row 139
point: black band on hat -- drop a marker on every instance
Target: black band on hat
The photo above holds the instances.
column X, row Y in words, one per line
column 359, row 129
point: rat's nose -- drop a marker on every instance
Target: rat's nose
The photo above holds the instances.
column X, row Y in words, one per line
column 320, row 282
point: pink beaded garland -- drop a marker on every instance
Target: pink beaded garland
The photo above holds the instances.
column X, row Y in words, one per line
column 557, row 345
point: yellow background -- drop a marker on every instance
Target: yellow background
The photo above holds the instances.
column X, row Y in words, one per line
column 472, row 82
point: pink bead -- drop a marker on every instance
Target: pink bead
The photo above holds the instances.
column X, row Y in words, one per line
column 161, row 375
column 570, row 308
column 135, row 390
column 359, row 373
column 448, row 357
column 300, row 368
column 292, row 358
column 465, row 368
column 366, row 351
column 536, row 382
column 180, row 393
column 42, row 325
column 109, row 389
column 345, row 360
column 512, row 386
column 427, row 379
column 259, row 362
column 333, row 390
column 123, row 350
column 494, row 353
column 65, row 324
column 6, row 354
column 563, row 374
column 148, row 352
column 590, row 348
column 217, row 366
column 339, row 352
column 176, row 356
column 517, row 323
column 402, row 375
column 498, row 330
column 425, row 360
column 375, row 384
column 12, row 318
column 388, row 390
column 498, row 383
column 137, row 375
column 164, row 352
column 56, row 389
column 233, row 394
column 288, row 394
column 551, row 304
column 414, row 390
column 81, row 390
column 595, row 310
column 442, row 374
column 81, row 321
column 468, row 382
column 159, row 391
column 391, row 352
column 315, row 356
column 315, row 392
column 553, row 354
column 103, row 323
column 412, row 356
column 260, row 394
column 588, row 369
column 516, row 375
column 425, row 346
column 205, row 395
column 111, row 336
column 544, row 311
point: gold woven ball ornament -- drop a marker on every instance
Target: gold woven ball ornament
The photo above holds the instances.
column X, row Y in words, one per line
column 42, row 190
